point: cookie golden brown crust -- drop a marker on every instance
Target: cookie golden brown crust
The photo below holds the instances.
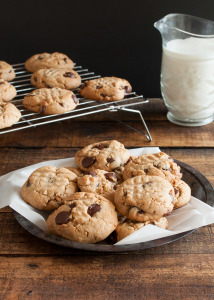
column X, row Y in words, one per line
column 182, row 194
column 157, row 164
column 48, row 187
column 128, row 227
column 7, row 91
column 6, row 71
column 105, row 89
column 9, row 114
column 65, row 78
column 98, row 181
column 50, row 101
column 86, row 218
column 144, row 198
column 47, row 61
column 106, row 155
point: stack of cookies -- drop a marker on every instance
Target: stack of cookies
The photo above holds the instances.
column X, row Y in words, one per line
column 108, row 192
column 54, row 77
column 9, row 114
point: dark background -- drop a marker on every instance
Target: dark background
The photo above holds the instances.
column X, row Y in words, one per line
column 108, row 37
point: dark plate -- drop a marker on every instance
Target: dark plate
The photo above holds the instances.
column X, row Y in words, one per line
column 201, row 189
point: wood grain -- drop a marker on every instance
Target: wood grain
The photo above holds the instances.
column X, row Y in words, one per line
column 160, row 276
column 79, row 134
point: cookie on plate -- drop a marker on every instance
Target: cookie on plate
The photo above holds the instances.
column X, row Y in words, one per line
column 48, row 187
column 144, row 198
column 51, row 101
column 157, row 164
column 86, row 218
column 128, row 227
column 6, row 71
column 77, row 171
column 98, row 181
column 47, row 61
column 65, row 78
column 7, row 91
column 182, row 194
column 106, row 155
column 105, row 89
column 9, row 114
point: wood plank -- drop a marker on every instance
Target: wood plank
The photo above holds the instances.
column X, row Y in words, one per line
column 108, row 277
column 79, row 134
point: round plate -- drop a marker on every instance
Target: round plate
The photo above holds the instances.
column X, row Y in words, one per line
column 200, row 187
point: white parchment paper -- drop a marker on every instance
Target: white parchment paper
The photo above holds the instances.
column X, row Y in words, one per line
column 193, row 215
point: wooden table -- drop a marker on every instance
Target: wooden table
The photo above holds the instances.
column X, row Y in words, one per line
column 31, row 268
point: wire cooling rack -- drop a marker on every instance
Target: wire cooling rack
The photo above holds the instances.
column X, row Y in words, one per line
column 85, row 107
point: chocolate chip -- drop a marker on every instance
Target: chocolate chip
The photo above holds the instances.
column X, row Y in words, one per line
column 127, row 162
column 65, row 60
column 176, row 190
column 110, row 160
column 51, row 180
column 75, row 99
column 115, row 187
column 111, row 177
column 40, row 57
column 92, row 173
column 99, row 87
column 69, row 74
column 2, row 82
column 88, row 161
column 103, row 95
column 72, row 205
column 167, row 214
column 42, row 109
column 146, row 171
column 146, row 183
column 141, row 212
column 112, row 238
column 62, row 218
column 126, row 193
column 28, row 184
column 93, row 209
column 127, row 89
column 61, row 104
column 100, row 147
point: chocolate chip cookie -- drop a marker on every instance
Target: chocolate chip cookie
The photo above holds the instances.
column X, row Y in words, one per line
column 158, row 164
column 50, row 101
column 48, row 187
column 106, row 155
column 86, row 218
column 9, row 114
column 105, row 89
column 144, row 198
column 7, row 91
column 6, row 71
column 182, row 194
column 65, row 78
column 98, row 181
column 48, row 60
column 128, row 227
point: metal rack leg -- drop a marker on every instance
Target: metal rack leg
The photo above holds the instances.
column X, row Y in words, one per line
column 148, row 135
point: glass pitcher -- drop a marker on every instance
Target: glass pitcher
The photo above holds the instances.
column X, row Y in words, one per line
column 187, row 69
